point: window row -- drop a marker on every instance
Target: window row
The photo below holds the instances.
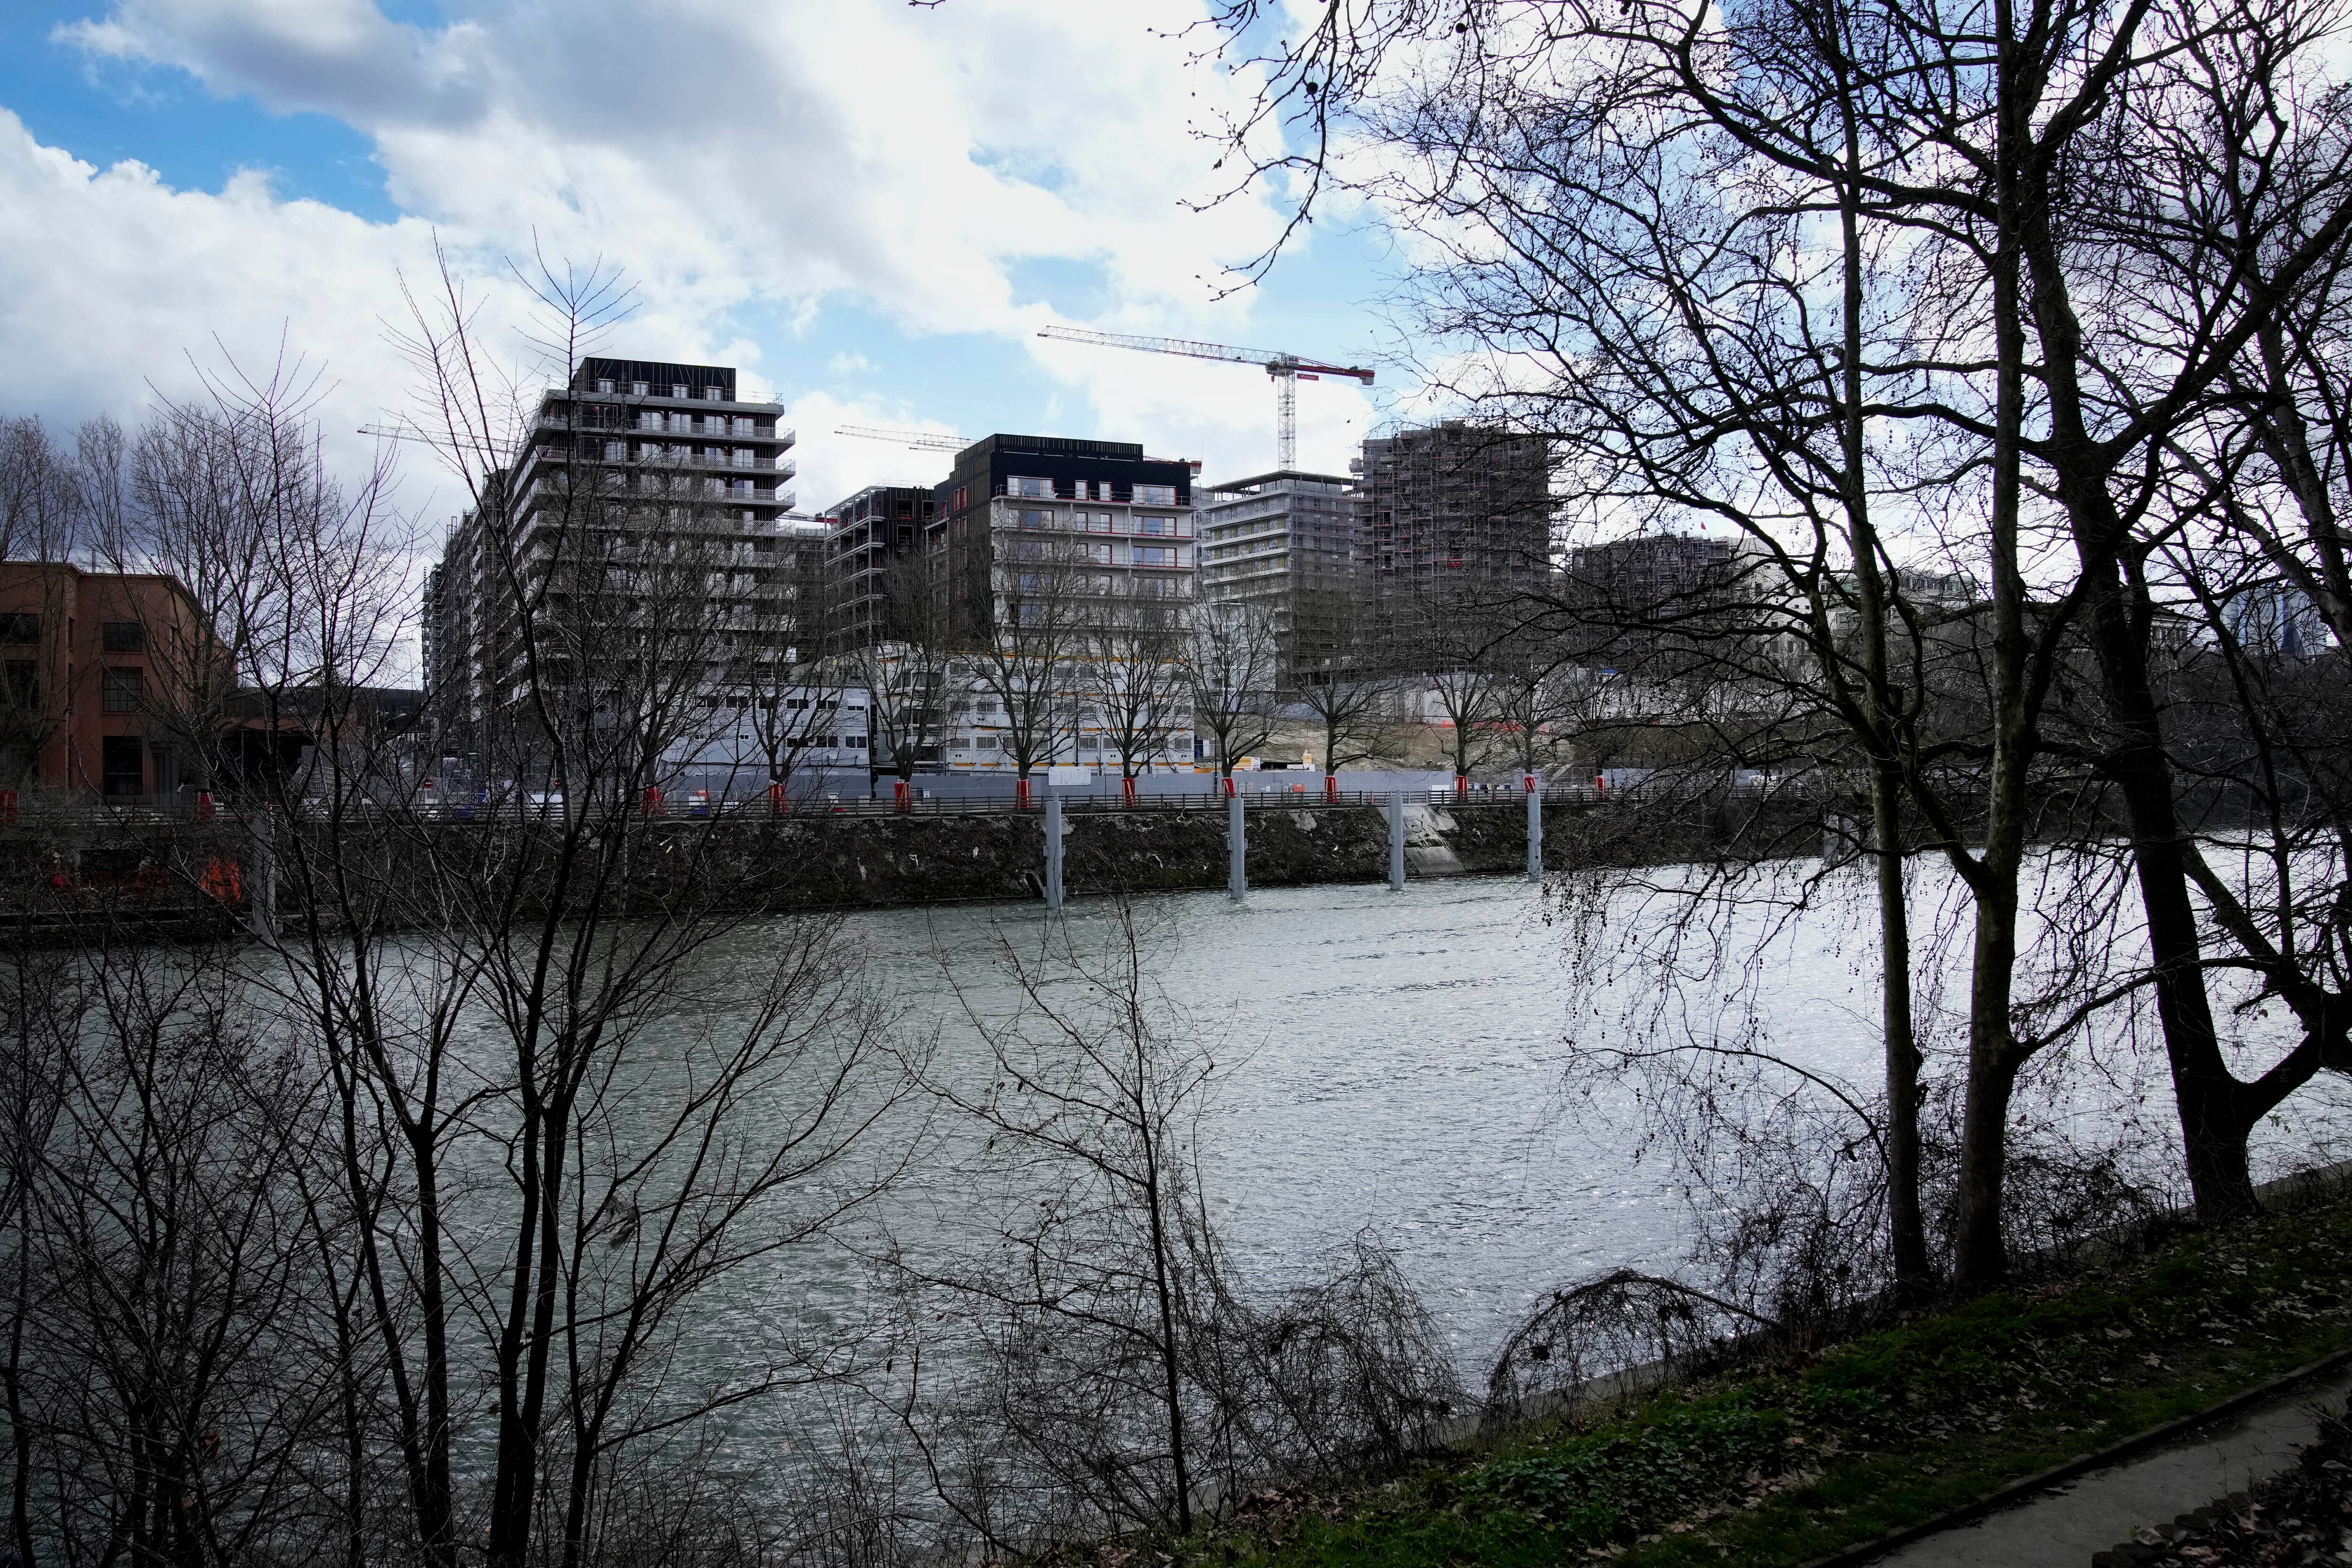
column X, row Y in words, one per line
column 681, row 422
column 1022, row 487
column 1083, row 522
column 18, row 627
column 715, row 392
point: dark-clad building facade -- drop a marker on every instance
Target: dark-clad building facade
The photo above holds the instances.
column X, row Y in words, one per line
column 868, row 535
column 1097, row 513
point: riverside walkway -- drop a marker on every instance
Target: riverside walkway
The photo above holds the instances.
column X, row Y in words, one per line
column 2072, row 1520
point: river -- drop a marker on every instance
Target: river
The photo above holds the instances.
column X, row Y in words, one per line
column 1394, row 1060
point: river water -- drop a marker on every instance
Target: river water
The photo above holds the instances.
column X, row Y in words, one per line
column 1395, row 1061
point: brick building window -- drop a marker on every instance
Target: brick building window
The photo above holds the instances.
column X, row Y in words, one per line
column 19, row 628
column 123, row 764
column 123, row 690
column 124, row 637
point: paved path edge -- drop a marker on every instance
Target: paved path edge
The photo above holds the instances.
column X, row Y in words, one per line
column 2021, row 1490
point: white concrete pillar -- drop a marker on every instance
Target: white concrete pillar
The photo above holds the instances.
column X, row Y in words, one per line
column 1535, row 827
column 1053, row 850
column 1237, row 848
column 1396, row 844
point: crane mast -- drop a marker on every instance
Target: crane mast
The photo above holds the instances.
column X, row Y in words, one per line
column 1284, row 368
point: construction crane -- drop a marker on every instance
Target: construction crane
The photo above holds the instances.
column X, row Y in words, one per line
column 1288, row 370
column 919, row 440
column 390, row 433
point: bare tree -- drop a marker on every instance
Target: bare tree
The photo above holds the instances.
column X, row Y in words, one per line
column 170, row 1379
column 1120, row 1367
column 792, row 690
column 45, row 497
column 1029, row 660
column 1335, row 668
column 1231, row 669
column 559, row 1116
column 915, row 683
column 1973, row 177
column 1133, row 676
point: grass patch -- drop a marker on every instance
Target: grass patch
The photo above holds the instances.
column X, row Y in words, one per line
column 1774, row 1465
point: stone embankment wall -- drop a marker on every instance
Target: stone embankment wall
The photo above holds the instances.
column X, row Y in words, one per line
column 881, row 863
column 59, row 879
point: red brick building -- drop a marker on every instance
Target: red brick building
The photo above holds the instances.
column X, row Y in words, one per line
column 100, row 675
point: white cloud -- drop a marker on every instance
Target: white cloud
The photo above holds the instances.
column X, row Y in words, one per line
column 727, row 153
column 113, row 280
column 834, row 468
column 740, row 162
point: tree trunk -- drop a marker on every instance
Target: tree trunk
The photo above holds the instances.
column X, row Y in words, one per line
column 1906, row 1225
column 2203, row 1089
column 2213, row 1130
column 1981, row 1250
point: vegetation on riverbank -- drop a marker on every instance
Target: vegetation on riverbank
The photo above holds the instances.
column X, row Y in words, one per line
column 1786, row 1459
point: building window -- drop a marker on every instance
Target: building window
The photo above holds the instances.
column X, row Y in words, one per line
column 19, row 628
column 639, row 389
column 23, row 686
column 604, row 385
column 678, row 389
column 122, row 766
column 714, row 394
column 122, row 636
column 1030, row 489
column 1158, row 525
column 1155, row 555
column 121, row 691
column 1155, row 495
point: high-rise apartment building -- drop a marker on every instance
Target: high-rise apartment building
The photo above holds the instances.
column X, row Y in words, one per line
column 1290, row 545
column 1456, row 504
column 873, row 535
column 1094, row 523
column 645, row 514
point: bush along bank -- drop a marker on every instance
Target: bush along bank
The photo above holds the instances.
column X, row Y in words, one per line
column 1778, row 1463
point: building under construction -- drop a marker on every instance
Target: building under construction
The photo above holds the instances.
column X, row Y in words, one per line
column 874, row 545
column 1456, row 510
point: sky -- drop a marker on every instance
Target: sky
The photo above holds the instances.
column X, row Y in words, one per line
column 866, row 206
